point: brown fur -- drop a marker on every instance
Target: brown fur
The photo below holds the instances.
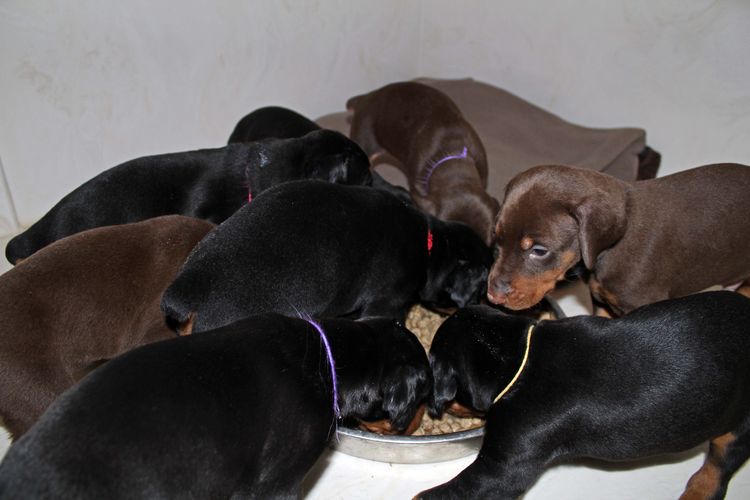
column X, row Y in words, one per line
column 384, row 426
column 414, row 126
column 706, row 482
column 643, row 242
column 55, row 303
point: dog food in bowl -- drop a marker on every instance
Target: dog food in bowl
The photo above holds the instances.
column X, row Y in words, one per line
column 449, row 438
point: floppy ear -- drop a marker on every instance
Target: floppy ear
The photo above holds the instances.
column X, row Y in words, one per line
column 331, row 169
column 404, row 394
column 444, row 387
column 465, row 282
column 601, row 224
column 338, row 173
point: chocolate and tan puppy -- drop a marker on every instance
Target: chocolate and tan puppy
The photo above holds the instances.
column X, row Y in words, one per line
column 209, row 184
column 241, row 412
column 81, row 301
column 643, row 242
column 420, row 130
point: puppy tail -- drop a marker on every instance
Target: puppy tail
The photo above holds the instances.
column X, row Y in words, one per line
column 354, row 102
column 18, row 249
column 444, row 388
column 179, row 319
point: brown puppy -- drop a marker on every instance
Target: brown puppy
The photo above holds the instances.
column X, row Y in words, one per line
column 55, row 305
column 420, row 130
column 643, row 242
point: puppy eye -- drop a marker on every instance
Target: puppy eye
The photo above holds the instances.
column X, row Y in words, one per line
column 539, row 251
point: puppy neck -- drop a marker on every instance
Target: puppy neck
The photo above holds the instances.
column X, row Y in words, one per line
column 523, row 364
column 424, row 179
column 331, row 365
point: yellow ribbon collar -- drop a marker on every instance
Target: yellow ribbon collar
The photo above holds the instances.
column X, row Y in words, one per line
column 520, row 368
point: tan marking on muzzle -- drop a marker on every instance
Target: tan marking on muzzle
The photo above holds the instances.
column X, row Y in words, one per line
column 186, row 328
column 528, row 291
column 458, row 410
column 384, row 426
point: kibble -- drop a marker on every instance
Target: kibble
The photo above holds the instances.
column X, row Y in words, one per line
column 424, row 324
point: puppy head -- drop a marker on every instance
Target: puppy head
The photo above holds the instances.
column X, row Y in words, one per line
column 473, row 351
column 333, row 157
column 552, row 217
column 390, row 400
column 458, row 265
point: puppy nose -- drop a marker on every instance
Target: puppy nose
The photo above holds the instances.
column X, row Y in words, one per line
column 498, row 290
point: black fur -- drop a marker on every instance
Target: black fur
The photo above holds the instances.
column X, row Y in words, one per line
column 209, row 184
column 662, row 379
column 275, row 121
column 241, row 412
column 271, row 121
column 329, row 250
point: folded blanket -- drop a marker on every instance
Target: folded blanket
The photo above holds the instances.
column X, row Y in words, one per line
column 517, row 135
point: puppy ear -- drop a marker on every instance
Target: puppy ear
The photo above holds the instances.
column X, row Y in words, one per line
column 465, row 282
column 444, row 387
column 331, row 169
column 601, row 224
column 403, row 395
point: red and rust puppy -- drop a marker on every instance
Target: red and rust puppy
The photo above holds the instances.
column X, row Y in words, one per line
column 239, row 412
column 81, row 301
column 209, row 184
column 421, row 130
column 330, row 250
column 643, row 242
column 662, row 379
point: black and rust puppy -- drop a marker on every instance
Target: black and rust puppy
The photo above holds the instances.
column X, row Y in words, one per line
column 241, row 412
column 662, row 379
column 208, row 184
column 81, row 301
column 329, row 250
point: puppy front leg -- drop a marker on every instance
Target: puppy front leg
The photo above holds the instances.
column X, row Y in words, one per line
column 488, row 478
column 511, row 459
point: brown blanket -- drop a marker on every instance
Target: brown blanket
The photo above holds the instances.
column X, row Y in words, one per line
column 517, row 135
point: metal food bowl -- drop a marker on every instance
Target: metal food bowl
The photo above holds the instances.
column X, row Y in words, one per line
column 408, row 449
column 417, row 449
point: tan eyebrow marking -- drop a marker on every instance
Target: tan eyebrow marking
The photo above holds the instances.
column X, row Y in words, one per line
column 526, row 243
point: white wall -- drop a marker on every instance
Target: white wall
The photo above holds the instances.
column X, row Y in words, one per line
column 88, row 84
column 678, row 68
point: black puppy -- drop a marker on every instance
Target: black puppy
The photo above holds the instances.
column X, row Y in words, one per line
column 271, row 121
column 241, row 412
column 275, row 121
column 329, row 250
column 209, row 184
column 662, row 379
